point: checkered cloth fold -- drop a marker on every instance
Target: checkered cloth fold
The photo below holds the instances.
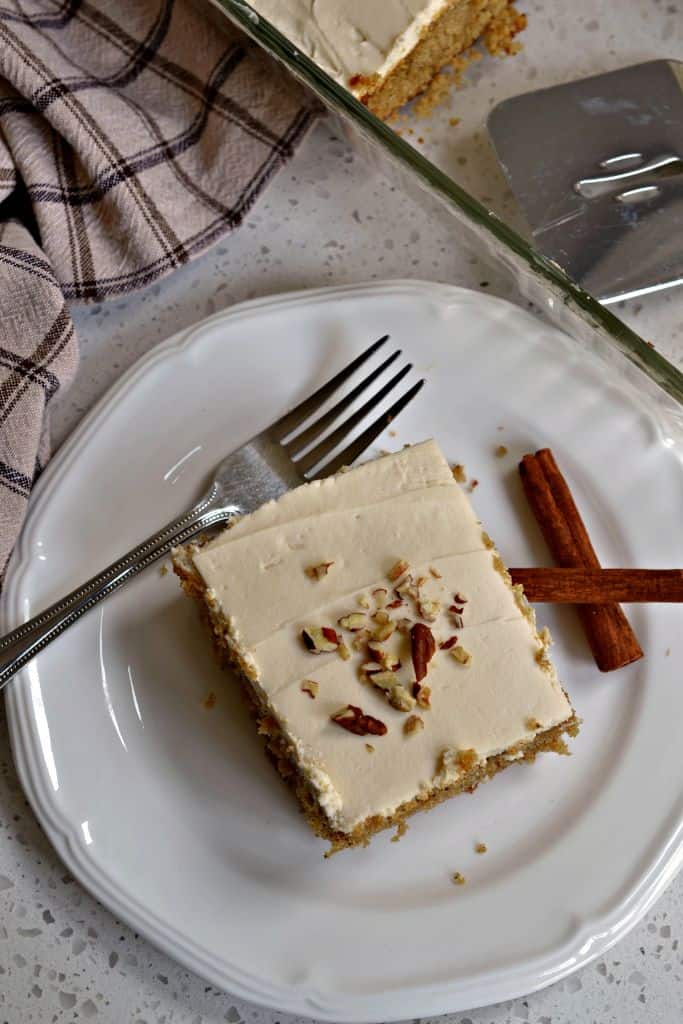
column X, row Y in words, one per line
column 132, row 136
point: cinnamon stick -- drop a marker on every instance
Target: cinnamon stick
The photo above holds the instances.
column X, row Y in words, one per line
column 609, row 635
column 600, row 586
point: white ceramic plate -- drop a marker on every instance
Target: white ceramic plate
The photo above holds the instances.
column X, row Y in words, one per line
column 170, row 814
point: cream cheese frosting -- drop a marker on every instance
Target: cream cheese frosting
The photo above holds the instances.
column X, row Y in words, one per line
column 348, row 38
column 405, row 506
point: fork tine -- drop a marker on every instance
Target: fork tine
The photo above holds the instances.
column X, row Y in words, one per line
column 364, row 440
column 291, row 420
column 306, row 437
column 329, row 443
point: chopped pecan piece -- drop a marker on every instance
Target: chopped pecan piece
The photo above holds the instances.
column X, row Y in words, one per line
column 423, row 696
column 398, row 569
column 380, row 595
column 316, row 572
column 404, row 625
column 343, row 651
column 413, row 724
column 384, row 680
column 429, row 610
column 364, row 601
column 461, row 655
column 353, row 622
column 435, row 573
column 400, row 699
column 398, row 603
column 457, row 878
column 310, row 687
column 447, row 644
column 354, row 720
column 320, row 640
column 384, row 631
column 422, row 648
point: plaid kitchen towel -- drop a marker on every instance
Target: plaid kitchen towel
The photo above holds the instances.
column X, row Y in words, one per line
column 132, row 136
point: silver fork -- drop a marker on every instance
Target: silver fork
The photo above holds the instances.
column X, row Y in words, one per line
column 265, row 467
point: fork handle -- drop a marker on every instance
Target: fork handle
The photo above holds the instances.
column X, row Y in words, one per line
column 24, row 642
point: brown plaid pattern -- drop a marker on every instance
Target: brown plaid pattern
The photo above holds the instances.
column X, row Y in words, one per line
column 132, row 136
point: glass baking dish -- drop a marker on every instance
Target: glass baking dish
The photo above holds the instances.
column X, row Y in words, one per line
column 529, row 278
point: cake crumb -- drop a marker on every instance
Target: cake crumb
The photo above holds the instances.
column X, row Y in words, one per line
column 501, row 451
column 434, row 95
column 480, row 848
column 499, row 35
column 667, row 652
column 392, row 433
column 458, row 472
column 457, row 878
column 435, row 573
column 369, row 747
column 473, row 484
column 501, row 427
column 532, row 724
column 401, row 830
column 453, row 121
column 163, row 570
column 209, row 701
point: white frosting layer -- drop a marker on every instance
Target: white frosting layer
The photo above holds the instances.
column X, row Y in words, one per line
column 403, row 506
column 352, row 37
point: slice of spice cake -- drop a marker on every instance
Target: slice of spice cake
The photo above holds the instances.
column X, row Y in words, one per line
column 389, row 659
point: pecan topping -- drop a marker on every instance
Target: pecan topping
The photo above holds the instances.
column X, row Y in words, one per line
column 459, row 473
column 343, row 652
column 380, row 595
column 404, row 625
column 429, row 610
column 310, row 687
column 398, row 569
column 316, row 572
column 354, row 720
column 320, row 640
column 364, row 601
column 398, row 603
column 422, row 648
column 353, row 622
column 461, row 655
column 413, row 724
column 457, row 878
column 384, row 631
column 447, row 644
column 423, row 696
column 384, row 679
column 400, row 699
column 435, row 573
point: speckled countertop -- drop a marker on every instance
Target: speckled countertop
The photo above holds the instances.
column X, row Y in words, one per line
column 325, row 220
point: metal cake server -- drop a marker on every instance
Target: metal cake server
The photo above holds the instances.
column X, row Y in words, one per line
column 597, row 168
column 281, row 457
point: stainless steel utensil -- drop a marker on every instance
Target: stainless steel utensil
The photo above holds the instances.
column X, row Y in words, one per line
column 597, row 168
column 281, row 457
